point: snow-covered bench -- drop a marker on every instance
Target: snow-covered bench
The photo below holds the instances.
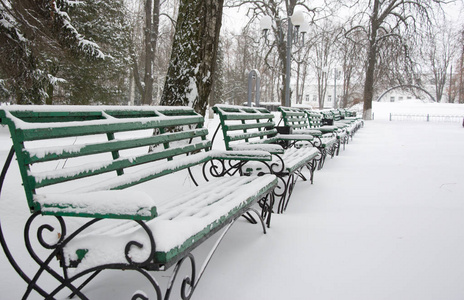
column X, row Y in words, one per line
column 338, row 120
column 253, row 128
column 323, row 120
column 344, row 116
column 327, row 139
column 98, row 178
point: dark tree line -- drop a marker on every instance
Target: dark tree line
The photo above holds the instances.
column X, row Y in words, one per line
column 80, row 46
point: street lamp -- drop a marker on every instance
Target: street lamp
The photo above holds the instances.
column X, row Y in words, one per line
column 297, row 20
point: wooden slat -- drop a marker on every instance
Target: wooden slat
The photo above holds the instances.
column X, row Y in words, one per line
column 247, row 135
column 248, row 126
column 57, row 116
column 247, row 116
column 82, row 129
column 110, row 146
column 86, row 171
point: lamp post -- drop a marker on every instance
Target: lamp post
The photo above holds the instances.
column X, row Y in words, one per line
column 297, row 20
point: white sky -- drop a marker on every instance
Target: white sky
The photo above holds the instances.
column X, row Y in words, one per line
column 235, row 18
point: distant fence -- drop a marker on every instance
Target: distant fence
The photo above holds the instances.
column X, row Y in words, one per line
column 426, row 117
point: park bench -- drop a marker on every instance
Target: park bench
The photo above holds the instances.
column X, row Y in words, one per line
column 318, row 120
column 350, row 124
column 326, row 139
column 253, row 128
column 351, row 117
column 98, row 176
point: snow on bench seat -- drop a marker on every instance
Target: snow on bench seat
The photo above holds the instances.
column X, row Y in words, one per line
column 181, row 221
column 100, row 173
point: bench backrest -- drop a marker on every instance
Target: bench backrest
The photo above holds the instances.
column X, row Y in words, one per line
column 99, row 148
column 337, row 114
column 314, row 118
column 327, row 114
column 294, row 118
column 241, row 124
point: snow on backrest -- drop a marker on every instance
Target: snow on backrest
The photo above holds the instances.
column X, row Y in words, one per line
column 57, row 146
column 241, row 124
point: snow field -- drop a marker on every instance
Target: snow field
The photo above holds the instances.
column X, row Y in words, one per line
column 383, row 220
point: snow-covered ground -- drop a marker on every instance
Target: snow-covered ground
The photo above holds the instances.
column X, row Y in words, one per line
column 383, row 220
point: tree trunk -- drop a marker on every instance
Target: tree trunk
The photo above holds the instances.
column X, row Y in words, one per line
column 369, row 82
column 193, row 58
column 461, row 71
column 149, row 54
column 371, row 61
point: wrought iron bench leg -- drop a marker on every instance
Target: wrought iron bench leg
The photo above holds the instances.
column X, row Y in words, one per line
column 85, row 283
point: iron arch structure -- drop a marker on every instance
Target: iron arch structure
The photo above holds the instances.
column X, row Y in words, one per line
column 406, row 86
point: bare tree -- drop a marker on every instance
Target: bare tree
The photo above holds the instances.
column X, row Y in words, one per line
column 385, row 20
column 438, row 51
column 279, row 11
column 301, row 58
column 350, row 56
column 151, row 30
column 323, row 56
column 461, row 68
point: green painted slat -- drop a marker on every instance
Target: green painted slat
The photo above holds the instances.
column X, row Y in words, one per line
column 247, row 116
column 131, row 113
column 296, row 120
column 161, row 173
column 234, row 127
column 89, row 129
column 294, row 113
column 50, row 210
column 247, row 136
column 118, row 145
column 56, row 116
column 121, row 164
column 299, row 126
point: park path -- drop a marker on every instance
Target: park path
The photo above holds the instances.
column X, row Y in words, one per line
column 384, row 220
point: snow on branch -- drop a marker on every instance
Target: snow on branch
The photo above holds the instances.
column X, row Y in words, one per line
column 88, row 47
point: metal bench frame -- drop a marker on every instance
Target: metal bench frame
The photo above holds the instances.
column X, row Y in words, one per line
column 41, row 123
column 254, row 128
column 301, row 121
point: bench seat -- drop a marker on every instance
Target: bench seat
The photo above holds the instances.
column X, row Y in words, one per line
column 181, row 221
column 294, row 159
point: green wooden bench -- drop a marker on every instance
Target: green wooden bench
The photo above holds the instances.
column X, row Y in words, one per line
column 316, row 119
column 349, row 124
column 326, row 138
column 345, row 115
column 96, row 176
column 247, row 128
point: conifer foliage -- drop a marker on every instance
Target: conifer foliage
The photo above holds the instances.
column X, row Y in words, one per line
column 45, row 42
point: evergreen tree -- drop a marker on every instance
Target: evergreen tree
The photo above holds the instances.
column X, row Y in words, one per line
column 34, row 37
column 100, row 81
